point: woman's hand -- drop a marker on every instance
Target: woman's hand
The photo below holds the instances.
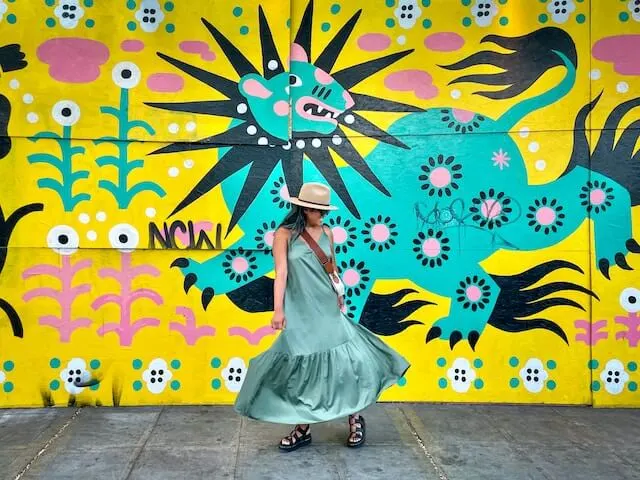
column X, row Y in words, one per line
column 278, row 322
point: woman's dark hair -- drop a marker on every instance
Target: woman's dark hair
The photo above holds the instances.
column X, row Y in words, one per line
column 294, row 221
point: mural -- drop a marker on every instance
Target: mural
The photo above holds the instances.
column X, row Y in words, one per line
column 483, row 156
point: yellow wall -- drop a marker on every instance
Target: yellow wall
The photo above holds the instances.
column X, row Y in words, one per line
column 95, row 283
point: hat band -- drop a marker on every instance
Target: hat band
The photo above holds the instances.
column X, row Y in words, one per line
column 314, row 203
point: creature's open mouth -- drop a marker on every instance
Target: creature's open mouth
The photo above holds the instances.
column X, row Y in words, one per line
column 317, row 111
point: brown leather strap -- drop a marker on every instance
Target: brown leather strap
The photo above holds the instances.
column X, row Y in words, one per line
column 324, row 260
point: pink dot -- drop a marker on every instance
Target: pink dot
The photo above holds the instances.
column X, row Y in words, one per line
column 268, row 238
column 597, row 196
column 431, row 247
column 240, row 265
column 463, row 116
column 380, row 232
column 490, row 208
column 473, row 293
column 339, row 235
column 284, row 193
column 440, row 177
column 545, row 216
column 322, row 77
column 281, row 108
column 351, row 277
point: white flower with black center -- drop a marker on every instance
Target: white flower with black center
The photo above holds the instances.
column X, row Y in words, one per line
column 149, row 15
column 124, row 237
column 533, row 375
column 126, row 75
column 461, row 375
column 3, row 10
column 69, row 13
column 614, row 377
column 63, row 240
column 75, row 372
column 484, row 11
column 561, row 10
column 634, row 8
column 233, row 374
column 66, row 113
column 407, row 12
column 157, row 375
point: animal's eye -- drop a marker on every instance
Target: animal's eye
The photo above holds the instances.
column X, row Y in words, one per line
column 294, row 80
column 124, row 237
column 630, row 300
column 63, row 239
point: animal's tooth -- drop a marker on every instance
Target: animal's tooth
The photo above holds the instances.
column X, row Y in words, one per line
column 308, row 110
column 328, row 115
column 320, row 109
column 335, row 114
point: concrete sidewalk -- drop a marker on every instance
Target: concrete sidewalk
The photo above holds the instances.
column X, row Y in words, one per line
column 405, row 442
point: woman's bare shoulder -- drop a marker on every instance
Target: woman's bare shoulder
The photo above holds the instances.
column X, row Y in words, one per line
column 283, row 232
column 327, row 230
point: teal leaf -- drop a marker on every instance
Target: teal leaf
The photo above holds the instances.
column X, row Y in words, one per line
column 107, row 139
column 146, row 186
column 109, row 186
column 51, row 184
column 108, row 160
column 141, row 124
column 46, row 158
column 79, row 175
column 41, row 135
column 111, row 111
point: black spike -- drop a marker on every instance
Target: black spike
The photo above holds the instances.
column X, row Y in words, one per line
column 607, row 138
column 303, row 37
column 622, row 262
column 292, row 168
column 554, row 287
column 207, row 295
column 485, row 57
column 329, row 55
column 433, row 333
column 14, row 318
column 189, row 281
column 473, row 338
column 368, row 103
column 180, row 263
column 603, row 265
column 229, row 138
column 368, row 129
column 269, row 50
column 219, row 108
column 633, row 246
column 454, row 338
column 352, row 76
column 238, row 61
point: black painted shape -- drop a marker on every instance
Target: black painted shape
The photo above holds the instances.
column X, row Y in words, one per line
column 269, row 50
column 532, row 55
column 434, row 332
column 603, row 265
column 229, row 138
column 292, row 168
column 254, row 297
column 581, row 152
column 11, row 58
column 190, row 280
column 352, row 76
column 207, row 295
column 473, row 338
column 454, row 338
column 219, row 108
column 384, row 315
column 622, row 262
column 303, row 37
column 515, row 302
column 239, row 62
column 14, row 318
column 7, row 226
column 633, row 246
column 5, row 114
column 331, row 52
column 367, row 103
column 368, row 129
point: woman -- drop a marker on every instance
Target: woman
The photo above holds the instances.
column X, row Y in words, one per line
column 322, row 366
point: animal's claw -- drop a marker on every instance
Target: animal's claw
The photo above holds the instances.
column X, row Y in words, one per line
column 433, row 333
column 603, row 265
column 207, row 295
column 622, row 262
column 180, row 263
column 454, row 338
column 189, row 280
column 633, row 246
column 473, row 338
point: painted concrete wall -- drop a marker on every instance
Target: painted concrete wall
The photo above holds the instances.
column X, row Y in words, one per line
column 483, row 154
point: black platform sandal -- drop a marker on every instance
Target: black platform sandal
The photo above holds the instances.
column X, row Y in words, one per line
column 358, row 431
column 299, row 437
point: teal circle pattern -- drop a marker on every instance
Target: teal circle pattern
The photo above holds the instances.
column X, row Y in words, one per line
column 466, row 21
column 175, row 385
column 131, row 26
column 131, row 5
column 8, row 366
column 478, row 383
column 442, row 383
column 175, row 364
column 50, row 22
column 216, row 384
column 580, row 18
column 88, row 3
column 54, row 385
column 551, row 385
column 244, row 30
column 94, row 387
column 441, row 362
column 335, row 8
column 94, row 364
column 90, row 23
column 633, row 386
column 137, row 364
column 502, row 2
column 513, row 361
column 137, row 385
column 390, row 22
column 632, row 366
column 216, row 362
column 11, row 18
column 426, row 3
column 551, row 364
column 402, row 382
column 504, row 21
column 466, row 3
column 7, row 387
column 593, row 364
column 426, row 23
column 390, row 3
column 478, row 363
column 169, row 6
column 237, row 11
column 288, row 23
column 624, row 16
column 326, row 26
column 50, row 3
column 543, row 18
column 170, row 28
column 514, row 382
column 54, row 362
column 595, row 386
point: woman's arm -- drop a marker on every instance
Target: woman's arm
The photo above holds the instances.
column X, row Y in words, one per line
column 280, row 245
column 329, row 233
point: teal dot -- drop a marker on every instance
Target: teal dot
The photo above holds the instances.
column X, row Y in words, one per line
column 50, row 3
column 390, row 3
column 426, row 23
column 8, row 365
column 94, row 387
column 543, row 17
column 335, row 8
column 7, row 387
column 551, row 385
column 326, row 27
column 504, row 21
column 513, row 361
column 169, row 6
column 94, row 364
column 137, row 385
column 216, row 384
column 170, row 28
column 633, row 386
column 514, row 382
column 288, row 23
column 478, row 384
column 11, row 18
column 90, row 23
column 441, row 362
column 175, row 385
column 580, row 18
column 390, row 22
column 624, row 16
column 593, row 364
column 632, row 366
column 442, row 383
column 50, row 22
column 216, row 362
column 244, row 30
column 402, row 381
column 502, row 2
column 466, row 3
column 131, row 4
column 175, row 364
column 426, row 3
column 551, row 364
column 237, row 11
column 137, row 364
column 132, row 26
column 478, row 363
column 88, row 3
column 54, row 363
column 595, row 386
column 54, row 385
column 466, row 21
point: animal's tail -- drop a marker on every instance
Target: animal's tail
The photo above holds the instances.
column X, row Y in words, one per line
column 530, row 57
column 516, row 301
column 615, row 160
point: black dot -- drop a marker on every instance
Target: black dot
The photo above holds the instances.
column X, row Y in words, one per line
column 402, row 15
column 637, row 9
column 65, row 7
column 230, row 377
column 528, row 378
column 78, row 372
column 632, row 299
column 456, row 378
column 463, row 371
column 231, row 370
column 72, row 16
column 617, row 380
column 126, row 73
column 608, row 379
column 617, row 374
column 160, row 372
column 557, row 10
column 146, row 10
column 145, row 19
column 69, row 379
column 160, row 379
column 239, row 370
column 66, row 112
column 464, row 379
column 153, row 380
column 536, row 379
column 564, row 10
column 65, row 15
column 152, row 11
column 123, row 238
column 73, row 8
column 78, row 379
column 564, row 2
column 70, row 372
column 63, row 239
column 535, row 371
column 238, row 379
column 153, row 372
column 409, row 16
column 404, row 7
column 410, row 7
column 152, row 20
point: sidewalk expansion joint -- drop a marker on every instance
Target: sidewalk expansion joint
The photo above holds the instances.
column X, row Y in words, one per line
column 423, row 446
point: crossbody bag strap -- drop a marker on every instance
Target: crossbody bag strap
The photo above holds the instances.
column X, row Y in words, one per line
column 324, row 260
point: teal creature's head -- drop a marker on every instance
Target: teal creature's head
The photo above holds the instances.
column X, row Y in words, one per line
column 316, row 98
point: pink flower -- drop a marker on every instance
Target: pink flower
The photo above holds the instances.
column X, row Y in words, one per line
column 500, row 159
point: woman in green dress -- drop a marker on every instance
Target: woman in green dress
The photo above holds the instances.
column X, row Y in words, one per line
column 322, row 366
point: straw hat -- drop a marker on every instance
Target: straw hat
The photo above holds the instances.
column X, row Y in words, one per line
column 314, row 195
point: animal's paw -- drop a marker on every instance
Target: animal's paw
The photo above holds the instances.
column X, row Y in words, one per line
column 191, row 278
column 615, row 255
column 457, row 330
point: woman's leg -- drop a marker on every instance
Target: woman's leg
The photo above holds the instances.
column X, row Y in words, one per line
column 299, row 437
column 357, row 430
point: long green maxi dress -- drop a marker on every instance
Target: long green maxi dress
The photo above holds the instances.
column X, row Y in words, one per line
column 322, row 366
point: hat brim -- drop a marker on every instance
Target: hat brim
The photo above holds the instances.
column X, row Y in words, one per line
column 302, row 203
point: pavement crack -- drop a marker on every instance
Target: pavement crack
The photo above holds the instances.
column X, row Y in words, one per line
column 48, row 444
column 143, row 443
column 423, row 446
